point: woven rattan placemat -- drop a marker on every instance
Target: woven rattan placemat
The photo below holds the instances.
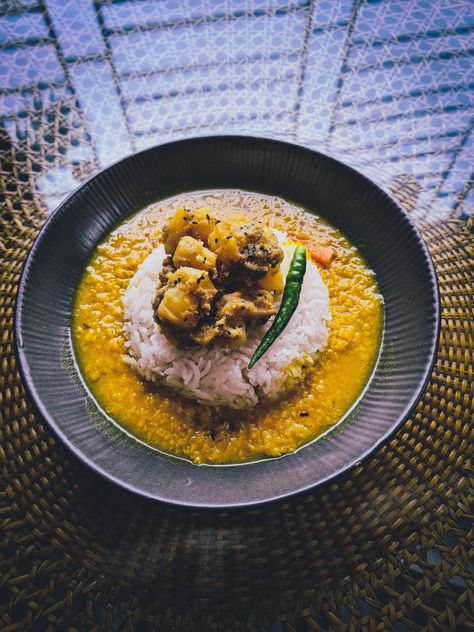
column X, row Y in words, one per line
column 386, row 547
column 386, row 85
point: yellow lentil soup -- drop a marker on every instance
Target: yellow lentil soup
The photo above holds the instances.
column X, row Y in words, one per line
column 179, row 426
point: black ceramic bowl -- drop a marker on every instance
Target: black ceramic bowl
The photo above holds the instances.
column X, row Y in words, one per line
column 371, row 220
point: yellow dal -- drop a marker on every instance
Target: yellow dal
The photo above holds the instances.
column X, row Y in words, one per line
column 176, row 425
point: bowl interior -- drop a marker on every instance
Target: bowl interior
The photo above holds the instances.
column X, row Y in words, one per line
column 371, row 220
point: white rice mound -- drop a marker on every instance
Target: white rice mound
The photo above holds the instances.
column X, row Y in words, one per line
column 217, row 376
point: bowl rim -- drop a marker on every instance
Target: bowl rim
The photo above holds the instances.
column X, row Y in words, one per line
column 38, row 404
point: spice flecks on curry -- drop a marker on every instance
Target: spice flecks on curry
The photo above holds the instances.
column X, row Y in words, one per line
column 219, row 277
column 152, row 377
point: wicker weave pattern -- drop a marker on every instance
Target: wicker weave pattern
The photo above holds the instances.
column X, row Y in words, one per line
column 388, row 547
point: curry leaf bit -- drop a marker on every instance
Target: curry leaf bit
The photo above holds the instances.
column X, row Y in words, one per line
column 289, row 302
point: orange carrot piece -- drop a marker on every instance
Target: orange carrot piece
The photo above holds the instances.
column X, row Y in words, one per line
column 321, row 254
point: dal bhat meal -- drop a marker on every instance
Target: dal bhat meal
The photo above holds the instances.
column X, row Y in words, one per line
column 227, row 326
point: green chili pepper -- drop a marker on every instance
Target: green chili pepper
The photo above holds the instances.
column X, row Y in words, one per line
column 289, row 302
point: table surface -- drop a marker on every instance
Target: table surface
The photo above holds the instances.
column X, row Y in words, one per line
column 387, row 87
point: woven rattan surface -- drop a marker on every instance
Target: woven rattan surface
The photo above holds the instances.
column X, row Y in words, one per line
column 389, row 545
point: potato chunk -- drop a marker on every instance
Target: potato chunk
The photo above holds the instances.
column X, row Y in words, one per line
column 272, row 281
column 175, row 228
column 179, row 308
column 198, row 224
column 249, row 244
column 223, row 242
column 192, row 252
column 185, row 298
column 202, row 224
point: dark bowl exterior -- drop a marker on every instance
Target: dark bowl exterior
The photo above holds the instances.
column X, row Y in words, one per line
column 372, row 221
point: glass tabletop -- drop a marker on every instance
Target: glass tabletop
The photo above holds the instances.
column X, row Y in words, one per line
column 385, row 85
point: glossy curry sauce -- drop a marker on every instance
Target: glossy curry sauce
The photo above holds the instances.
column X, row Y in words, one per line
column 178, row 426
